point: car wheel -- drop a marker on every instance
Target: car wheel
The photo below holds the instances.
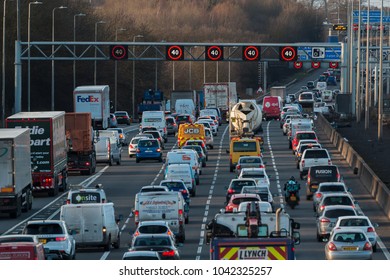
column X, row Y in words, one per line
column 117, row 243
column 301, row 175
column 111, row 161
column 289, row 145
column 107, row 245
column 204, row 163
column 319, row 238
column 137, row 160
column 187, row 220
column 231, row 168
column 374, row 248
column 160, row 159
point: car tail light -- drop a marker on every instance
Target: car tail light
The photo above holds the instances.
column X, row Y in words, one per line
column 325, row 220
column 332, row 247
column 230, row 191
column 318, row 195
column 238, row 167
column 47, row 181
column 136, row 216
column 322, row 207
column 329, row 162
column 170, row 253
column 367, row 247
column 262, row 166
column 61, row 238
column 180, row 216
column 103, row 200
column 338, row 177
column 308, row 179
column 138, row 150
column 370, row 229
column 303, row 162
column 136, row 233
column 158, row 150
column 184, row 191
column 131, row 146
column 159, row 139
column 68, row 201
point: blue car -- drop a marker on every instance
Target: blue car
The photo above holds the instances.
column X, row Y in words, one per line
column 148, row 149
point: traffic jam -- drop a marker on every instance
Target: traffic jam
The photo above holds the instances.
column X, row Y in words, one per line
column 237, row 180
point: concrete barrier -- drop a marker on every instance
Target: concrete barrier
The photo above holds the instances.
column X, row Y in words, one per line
column 369, row 179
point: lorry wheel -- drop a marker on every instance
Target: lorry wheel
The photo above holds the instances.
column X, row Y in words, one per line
column 187, row 220
column 111, row 161
column 117, row 243
column 18, row 210
column 30, row 200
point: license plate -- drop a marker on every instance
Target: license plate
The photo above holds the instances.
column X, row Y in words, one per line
column 350, row 248
column 43, row 241
column 293, row 198
column 148, row 151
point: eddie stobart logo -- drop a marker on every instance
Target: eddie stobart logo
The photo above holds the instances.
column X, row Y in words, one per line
column 36, row 130
column 88, row 99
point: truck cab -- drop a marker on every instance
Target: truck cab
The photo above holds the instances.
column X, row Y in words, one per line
column 242, row 147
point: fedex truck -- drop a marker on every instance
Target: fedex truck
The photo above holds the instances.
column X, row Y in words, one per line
column 94, row 100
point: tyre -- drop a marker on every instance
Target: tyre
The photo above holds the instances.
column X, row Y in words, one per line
column 197, row 180
column 107, row 245
column 231, row 168
column 211, row 147
column 18, row 210
column 117, row 244
column 319, row 238
column 193, row 192
column 308, row 197
column 301, row 175
column 289, row 145
column 137, row 160
column 187, row 220
column 111, row 161
column 160, row 159
column 204, row 163
column 374, row 248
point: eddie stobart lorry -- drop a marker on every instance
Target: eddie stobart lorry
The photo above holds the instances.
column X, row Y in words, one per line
column 252, row 235
column 48, row 148
column 15, row 171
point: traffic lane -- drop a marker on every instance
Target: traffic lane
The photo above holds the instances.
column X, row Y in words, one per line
column 309, row 248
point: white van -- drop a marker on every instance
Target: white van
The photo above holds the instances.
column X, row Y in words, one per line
column 115, row 145
column 186, row 156
column 183, row 172
column 157, row 206
column 92, row 224
column 321, row 86
column 299, row 125
column 156, row 119
column 185, row 106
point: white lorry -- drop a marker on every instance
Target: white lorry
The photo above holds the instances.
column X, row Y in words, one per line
column 279, row 91
column 92, row 224
column 220, row 95
column 15, row 171
column 94, row 100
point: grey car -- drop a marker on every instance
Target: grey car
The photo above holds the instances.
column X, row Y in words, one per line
column 54, row 236
column 171, row 125
column 249, row 162
column 326, row 219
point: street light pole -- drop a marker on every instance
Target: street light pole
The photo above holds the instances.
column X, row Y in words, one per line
column 52, row 53
column 368, row 74
column 94, row 65
column 3, row 69
column 116, row 70
column 74, row 46
column 133, row 87
column 229, row 63
column 28, row 54
column 190, row 70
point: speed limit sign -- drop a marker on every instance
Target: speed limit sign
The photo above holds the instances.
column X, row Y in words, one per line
column 214, row 53
column 118, row 52
column 288, row 53
column 175, row 52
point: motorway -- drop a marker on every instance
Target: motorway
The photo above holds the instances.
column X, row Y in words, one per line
column 122, row 182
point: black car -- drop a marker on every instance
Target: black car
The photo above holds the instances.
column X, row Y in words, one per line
column 122, row 117
column 161, row 243
column 310, row 85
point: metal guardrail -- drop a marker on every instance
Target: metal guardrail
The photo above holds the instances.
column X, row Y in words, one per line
column 374, row 185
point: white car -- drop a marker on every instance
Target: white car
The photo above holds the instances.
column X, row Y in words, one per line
column 133, row 145
column 209, row 138
column 258, row 174
column 263, row 191
column 359, row 222
column 212, row 123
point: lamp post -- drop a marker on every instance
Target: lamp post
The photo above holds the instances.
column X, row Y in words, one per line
column 116, row 69
column 94, row 65
column 229, row 63
column 190, row 70
column 133, row 87
column 52, row 53
column 74, row 46
column 3, row 69
column 28, row 53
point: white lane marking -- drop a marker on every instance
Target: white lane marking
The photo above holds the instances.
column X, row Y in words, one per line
column 206, row 212
column 85, row 183
column 105, row 255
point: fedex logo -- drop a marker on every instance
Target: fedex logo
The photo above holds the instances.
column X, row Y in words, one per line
column 89, row 98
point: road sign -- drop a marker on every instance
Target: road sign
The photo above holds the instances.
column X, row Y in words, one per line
column 306, row 53
column 375, row 17
column 333, row 65
column 318, row 52
column 315, row 64
column 340, row 27
column 298, row 64
column 250, row 53
column 174, row 53
column 118, row 52
column 214, row 53
column 288, row 53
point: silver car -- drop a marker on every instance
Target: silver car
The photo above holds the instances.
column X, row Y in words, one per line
column 348, row 244
column 209, row 138
column 54, row 236
column 248, row 162
column 327, row 218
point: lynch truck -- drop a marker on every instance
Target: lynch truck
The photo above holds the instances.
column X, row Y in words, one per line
column 94, row 100
column 15, row 171
column 48, row 148
column 80, row 138
column 151, row 101
column 220, row 95
column 252, row 235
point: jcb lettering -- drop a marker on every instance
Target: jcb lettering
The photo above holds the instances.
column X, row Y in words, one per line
column 192, row 131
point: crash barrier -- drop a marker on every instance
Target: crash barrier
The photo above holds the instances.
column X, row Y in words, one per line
column 370, row 180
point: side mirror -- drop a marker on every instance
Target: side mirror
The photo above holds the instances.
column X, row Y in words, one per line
column 296, row 237
column 222, row 210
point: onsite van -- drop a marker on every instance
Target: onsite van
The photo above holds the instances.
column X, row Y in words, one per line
column 272, row 106
column 182, row 171
column 93, row 224
column 156, row 119
column 190, row 132
column 243, row 147
column 157, row 206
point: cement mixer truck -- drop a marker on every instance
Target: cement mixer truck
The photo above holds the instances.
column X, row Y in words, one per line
column 245, row 119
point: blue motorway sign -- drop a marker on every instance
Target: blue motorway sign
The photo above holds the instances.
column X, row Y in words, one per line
column 375, row 17
column 308, row 53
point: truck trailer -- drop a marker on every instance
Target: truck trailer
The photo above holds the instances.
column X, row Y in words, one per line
column 15, row 171
column 48, row 148
column 80, row 137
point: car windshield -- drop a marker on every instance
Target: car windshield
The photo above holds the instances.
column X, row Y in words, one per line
column 156, row 189
column 170, row 121
column 335, row 213
column 240, row 146
column 354, row 223
column 337, row 200
column 141, row 258
column 349, row 237
column 250, row 160
column 120, row 114
column 152, row 229
column 43, row 229
column 332, row 188
column 155, row 134
column 155, row 241
column 306, row 96
column 182, row 118
column 147, row 143
column 238, row 185
column 313, row 153
column 172, row 185
column 253, row 175
column 237, row 201
column 304, row 136
column 135, row 140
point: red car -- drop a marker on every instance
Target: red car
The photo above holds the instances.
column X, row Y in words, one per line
column 303, row 135
column 236, row 199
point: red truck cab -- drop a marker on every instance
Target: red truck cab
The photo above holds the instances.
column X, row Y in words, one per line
column 272, row 106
